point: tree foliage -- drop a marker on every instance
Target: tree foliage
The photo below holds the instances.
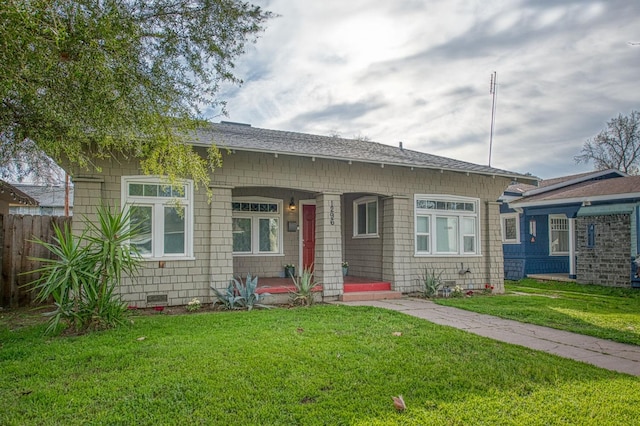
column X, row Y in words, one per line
column 90, row 79
column 616, row 147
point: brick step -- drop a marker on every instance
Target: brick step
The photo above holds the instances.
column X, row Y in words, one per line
column 371, row 286
column 356, row 296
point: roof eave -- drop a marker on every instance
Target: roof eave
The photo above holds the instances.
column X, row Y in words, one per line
column 519, row 178
column 573, row 200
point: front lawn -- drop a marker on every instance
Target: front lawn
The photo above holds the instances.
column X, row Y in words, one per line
column 605, row 312
column 322, row 365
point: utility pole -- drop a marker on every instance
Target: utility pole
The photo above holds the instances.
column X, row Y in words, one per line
column 493, row 89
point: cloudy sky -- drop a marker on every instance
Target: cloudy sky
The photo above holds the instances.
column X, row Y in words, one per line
column 418, row 71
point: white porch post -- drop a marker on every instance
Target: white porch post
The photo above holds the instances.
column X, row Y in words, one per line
column 572, row 248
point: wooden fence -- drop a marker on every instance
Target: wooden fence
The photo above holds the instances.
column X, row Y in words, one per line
column 17, row 250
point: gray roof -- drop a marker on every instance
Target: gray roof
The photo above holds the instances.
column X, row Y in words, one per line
column 47, row 195
column 244, row 137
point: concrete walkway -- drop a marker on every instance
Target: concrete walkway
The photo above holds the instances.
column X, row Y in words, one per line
column 602, row 353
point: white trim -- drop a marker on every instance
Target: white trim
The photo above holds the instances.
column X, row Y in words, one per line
column 366, row 201
column 505, row 216
column 157, row 204
column 559, row 216
column 433, row 214
column 255, row 225
column 595, row 198
column 572, row 247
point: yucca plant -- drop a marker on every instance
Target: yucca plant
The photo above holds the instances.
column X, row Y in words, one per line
column 303, row 294
column 85, row 271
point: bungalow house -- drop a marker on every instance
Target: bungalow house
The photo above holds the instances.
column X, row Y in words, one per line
column 582, row 226
column 284, row 198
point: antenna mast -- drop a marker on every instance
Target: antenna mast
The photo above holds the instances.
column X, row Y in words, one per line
column 493, row 89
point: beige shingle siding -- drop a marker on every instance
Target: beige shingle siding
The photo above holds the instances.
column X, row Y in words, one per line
column 390, row 257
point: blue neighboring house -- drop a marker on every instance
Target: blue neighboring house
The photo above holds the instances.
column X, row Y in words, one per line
column 583, row 226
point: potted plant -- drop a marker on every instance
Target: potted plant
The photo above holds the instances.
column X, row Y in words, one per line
column 345, row 268
column 289, row 270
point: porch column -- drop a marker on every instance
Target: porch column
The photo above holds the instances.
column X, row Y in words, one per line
column 397, row 243
column 572, row 248
column 328, row 259
column 492, row 244
column 221, row 238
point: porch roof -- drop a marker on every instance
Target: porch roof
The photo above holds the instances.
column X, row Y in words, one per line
column 244, row 137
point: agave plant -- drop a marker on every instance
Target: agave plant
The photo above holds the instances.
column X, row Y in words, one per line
column 431, row 282
column 303, row 294
column 241, row 294
column 228, row 298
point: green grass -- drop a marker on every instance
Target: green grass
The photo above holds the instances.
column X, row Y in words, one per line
column 320, row 365
column 605, row 312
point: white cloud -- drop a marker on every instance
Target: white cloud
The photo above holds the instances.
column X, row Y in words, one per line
column 418, row 72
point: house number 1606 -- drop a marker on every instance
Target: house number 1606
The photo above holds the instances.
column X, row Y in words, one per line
column 332, row 214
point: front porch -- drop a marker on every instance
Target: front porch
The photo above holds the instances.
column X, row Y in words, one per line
column 354, row 288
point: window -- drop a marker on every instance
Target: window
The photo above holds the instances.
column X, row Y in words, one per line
column 510, row 228
column 558, row 235
column 446, row 225
column 365, row 217
column 163, row 215
column 256, row 226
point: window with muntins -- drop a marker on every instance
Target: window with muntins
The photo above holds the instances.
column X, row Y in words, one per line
column 558, row 235
column 365, row 217
column 163, row 215
column 255, row 225
column 510, row 228
column 446, row 225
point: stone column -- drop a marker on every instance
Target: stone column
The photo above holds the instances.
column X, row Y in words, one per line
column 397, row 243
column 328, row 263
column 221, row 238
column 493, row 255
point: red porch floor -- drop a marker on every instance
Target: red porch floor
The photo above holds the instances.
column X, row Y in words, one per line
column 351, row 284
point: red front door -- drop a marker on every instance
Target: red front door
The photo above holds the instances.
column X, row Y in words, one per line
column 308, row 235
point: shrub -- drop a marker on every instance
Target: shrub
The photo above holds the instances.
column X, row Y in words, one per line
column 431, row 282
column 303, row 294
column 194, row 305
column 85, row 271
column 241, row 294
column 229, row 299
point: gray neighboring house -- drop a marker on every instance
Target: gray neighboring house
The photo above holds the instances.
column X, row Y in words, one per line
column 51, row 200
column 285, row 198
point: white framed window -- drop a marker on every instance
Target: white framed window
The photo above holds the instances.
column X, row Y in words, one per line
column 163, row 213
column 510, row 224
column 558, row 235
column 365, row 217
column 256, row 226
column 446, row 225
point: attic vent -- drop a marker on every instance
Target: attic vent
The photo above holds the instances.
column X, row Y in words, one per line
column 233, row 123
